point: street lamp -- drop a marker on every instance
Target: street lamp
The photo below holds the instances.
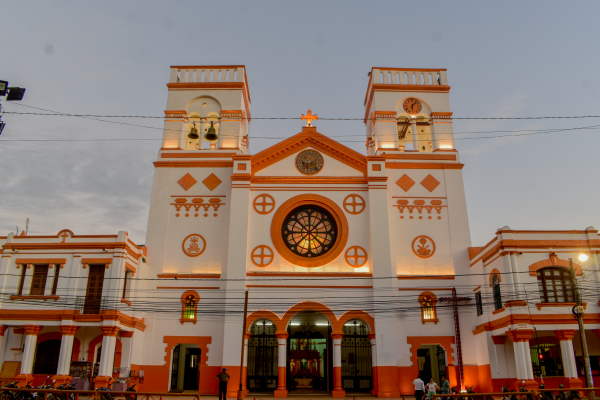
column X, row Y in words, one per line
column 583, row 257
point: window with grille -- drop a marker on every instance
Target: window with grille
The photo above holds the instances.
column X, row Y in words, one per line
column 496, row 291
column 38, row 284
column 189, row 310
column 427, row 306
column 478, row 303
column 555, row 285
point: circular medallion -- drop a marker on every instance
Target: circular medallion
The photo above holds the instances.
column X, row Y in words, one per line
column 264, row 204
column 412, row 106
column 262, row 256
column 356, row 256
column 309, row 231
column 193, row 245
column 423, row 246
column 309, row 162
column 354, row 204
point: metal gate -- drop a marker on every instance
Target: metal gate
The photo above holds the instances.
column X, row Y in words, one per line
column 441, row 358
column 262, row 357
column 357, row 371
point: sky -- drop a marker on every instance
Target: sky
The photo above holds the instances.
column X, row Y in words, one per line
column 504, row 59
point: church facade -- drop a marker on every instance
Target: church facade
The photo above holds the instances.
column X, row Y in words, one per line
column 305, row 268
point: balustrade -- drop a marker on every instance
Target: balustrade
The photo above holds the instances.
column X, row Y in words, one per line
column 404, row 76
column 205, row 74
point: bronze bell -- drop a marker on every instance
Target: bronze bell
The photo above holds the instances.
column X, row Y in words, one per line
column 193, row 133
column 211, row 135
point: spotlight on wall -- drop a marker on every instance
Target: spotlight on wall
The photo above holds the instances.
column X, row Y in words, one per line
column 583, row 257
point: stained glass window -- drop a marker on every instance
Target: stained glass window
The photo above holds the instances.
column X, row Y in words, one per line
column 309, row 231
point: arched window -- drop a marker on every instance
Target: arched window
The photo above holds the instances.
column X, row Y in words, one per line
column 46, row 357
column 427, row 300
column 496, row 291
column 555, row 285
column 189, row 302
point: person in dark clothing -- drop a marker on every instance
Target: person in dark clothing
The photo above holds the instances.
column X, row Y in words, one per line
column 222, row 378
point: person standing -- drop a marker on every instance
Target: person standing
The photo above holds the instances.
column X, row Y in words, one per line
column 419, row 388
column 445, row 386
column 222, row 378
column 431, row 388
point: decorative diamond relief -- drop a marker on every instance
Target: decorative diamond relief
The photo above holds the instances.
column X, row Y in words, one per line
column 187, row 182
column 430, row 183
column 211, row 182
column 405, row 182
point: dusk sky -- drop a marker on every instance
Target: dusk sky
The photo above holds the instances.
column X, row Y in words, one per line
column 504, row 59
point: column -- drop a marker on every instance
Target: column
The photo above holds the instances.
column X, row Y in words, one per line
column 31, row 333
column 281, row 364
column 337, row 391
column 413, row 127
column 567, row 352
column 434, row 143
column 245, row 366
column 515, row 275
column 126, row 350
column 201, row 139
column 66, row 350
column 510, row 279
column 2, row 343
column 371, row 337
column 107, row 358
column 520, row 339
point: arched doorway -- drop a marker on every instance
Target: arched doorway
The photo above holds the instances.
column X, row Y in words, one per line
column 357, row 369
column 46, row 357
column 262, row 357
column 310, row 369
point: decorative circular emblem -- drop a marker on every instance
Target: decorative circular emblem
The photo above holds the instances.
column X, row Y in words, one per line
column 193, row 245
column 309, row 162
column 264, row 204
column 423, row 246
column 356, row 256
column 309, row 231
column 262, row 256
column 354, row 204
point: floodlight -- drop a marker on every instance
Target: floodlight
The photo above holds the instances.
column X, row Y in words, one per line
column 2, row 125
column 15, row 93
column 3, row 86
column 583, row 257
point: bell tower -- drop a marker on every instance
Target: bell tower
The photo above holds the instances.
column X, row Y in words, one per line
column 208, row 108
column 408, row 109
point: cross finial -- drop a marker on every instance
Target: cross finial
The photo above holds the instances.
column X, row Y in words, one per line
column 65, row 235
column 309, row 117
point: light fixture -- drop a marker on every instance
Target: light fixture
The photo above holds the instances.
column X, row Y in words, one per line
column 322, row 324
column 295, row 324
column 15, row 93
column 2, row 125
column 3, row 88
column 583, row 257
column 446, row 146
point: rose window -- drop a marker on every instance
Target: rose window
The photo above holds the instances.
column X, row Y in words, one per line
column 309, row 231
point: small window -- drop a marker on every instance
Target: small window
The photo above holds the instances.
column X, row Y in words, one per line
column 496, row 291
column 38, row 284
column 478, row 303
column 22, row 281
column 428, row 312
column 555, row 285
column 127, row 284
column 189, row 302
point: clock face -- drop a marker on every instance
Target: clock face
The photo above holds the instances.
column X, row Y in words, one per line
column 412, row 106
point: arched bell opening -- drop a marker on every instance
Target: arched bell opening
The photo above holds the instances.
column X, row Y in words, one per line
column 357, row 367
column 310, row 367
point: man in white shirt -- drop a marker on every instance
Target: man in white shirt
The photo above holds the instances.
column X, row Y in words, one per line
column 419, row 388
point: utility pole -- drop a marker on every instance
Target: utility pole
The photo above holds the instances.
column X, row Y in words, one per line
column 578, row 311
column 455, row 300
column 240, row 394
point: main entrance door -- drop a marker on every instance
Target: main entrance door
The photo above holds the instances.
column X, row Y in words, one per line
column 357, row 370
column 262, row 357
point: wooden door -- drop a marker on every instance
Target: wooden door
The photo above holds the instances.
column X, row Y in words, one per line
column 93, row 296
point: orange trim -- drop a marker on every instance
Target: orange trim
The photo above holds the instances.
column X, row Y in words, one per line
column 40, row 260
column 241, row 167
column 68, row 330
column 498, row 339
column 187, row 287
column 565, row 334
column 126, row 334
column 59, row 315
column 425, row 289
column 477, row 288
column 515, row 303
column 495, row 272
column 473, row 251
column 124, row 301
column 110, row 330
column 309, row 199
column 498, row 311
column 400, row 277
column 317, row 180
column 197, row 155
column 533, row 268
column 523, row 335
column 189, row 276
column 129, row 267
column 405, row 156
column 32, row 330
column 402, row 165
column 309, row 137
column 570, row 305
column 313, row 274
column 311, row 286
column 34, row 297
column 3, row 329
column 417, row 341
column 96, row 261
column 193, row 164
column 543, row 319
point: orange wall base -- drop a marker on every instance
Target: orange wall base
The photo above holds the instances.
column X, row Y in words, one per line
column 387, row 381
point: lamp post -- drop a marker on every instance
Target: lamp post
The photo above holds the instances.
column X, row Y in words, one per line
column 578, row 311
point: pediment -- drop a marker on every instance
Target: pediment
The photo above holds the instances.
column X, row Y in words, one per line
column 309, row 138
